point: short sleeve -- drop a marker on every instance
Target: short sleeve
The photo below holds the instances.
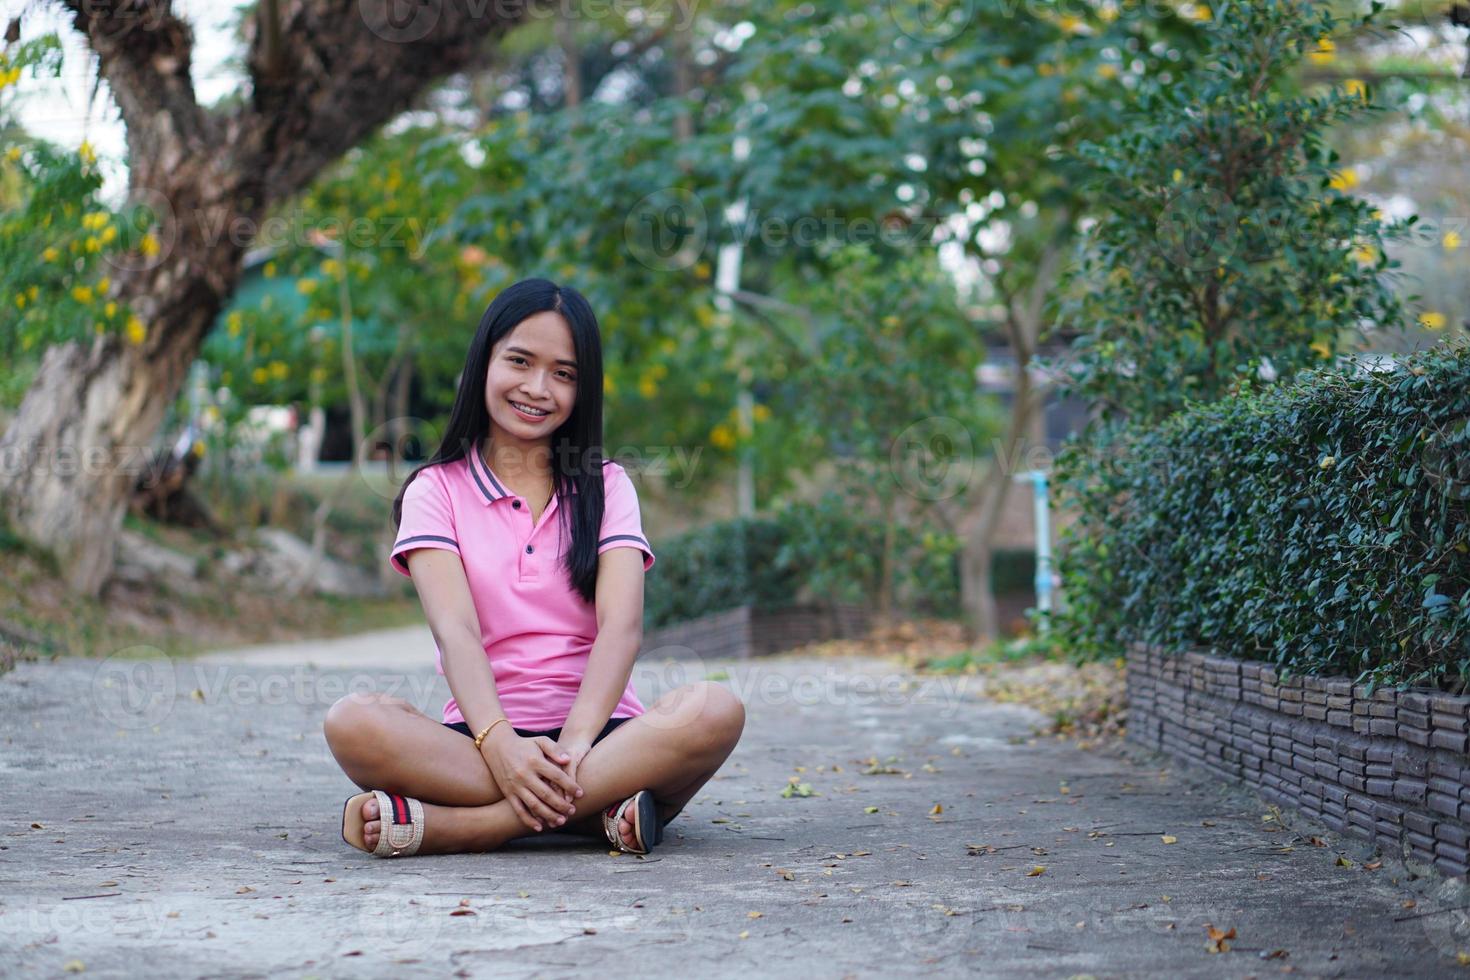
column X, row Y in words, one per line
column 622, row 525
column 426, row 521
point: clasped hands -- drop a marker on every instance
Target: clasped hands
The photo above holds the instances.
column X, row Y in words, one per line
column 538, row 776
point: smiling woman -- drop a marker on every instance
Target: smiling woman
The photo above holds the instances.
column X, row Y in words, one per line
column 534, row 626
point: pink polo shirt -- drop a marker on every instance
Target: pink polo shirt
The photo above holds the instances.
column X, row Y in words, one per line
column 536, row 630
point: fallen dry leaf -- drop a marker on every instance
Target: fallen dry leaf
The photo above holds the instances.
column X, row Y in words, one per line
column 1169, row 839
column 938, row 808
column 463, row 912
column 243, row 889
column 1038, row 870
column 1217, row 943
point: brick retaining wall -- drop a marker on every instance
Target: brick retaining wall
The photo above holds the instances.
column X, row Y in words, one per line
column 749, row 632
column 1392, row 768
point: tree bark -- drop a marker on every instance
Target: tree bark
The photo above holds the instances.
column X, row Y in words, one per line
column 324, row 75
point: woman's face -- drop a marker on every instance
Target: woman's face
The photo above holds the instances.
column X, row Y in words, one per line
column 533, row 366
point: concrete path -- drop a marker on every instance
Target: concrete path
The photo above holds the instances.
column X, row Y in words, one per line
column 182, row 820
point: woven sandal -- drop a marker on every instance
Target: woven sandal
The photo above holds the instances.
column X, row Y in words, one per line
column 647, row 830
column 401, row 819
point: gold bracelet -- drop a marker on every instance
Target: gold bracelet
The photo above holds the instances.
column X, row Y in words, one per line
column 481, row 737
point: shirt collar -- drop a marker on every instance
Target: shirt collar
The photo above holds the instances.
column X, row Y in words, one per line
column 490, row 486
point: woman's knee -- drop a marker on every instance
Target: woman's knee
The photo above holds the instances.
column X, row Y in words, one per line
column 717, row 715
column 355, row 717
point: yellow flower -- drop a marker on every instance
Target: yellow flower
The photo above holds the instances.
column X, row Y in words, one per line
column 279, row 370
column 259, row 376
column 1178, row 175
column 306, row 286
column 110, row 309
column 136, row 332
column 1324, row 52
column 1201, row 11
column 722, row 437
column 13, row 154
column 94, row 244
column 82, row 294
column 607, row 384
column 1356, row 88
column 108, row 234
column 701, row 270
column 103, row 285
column 1432, row 320
column 50, row 255
column 1323, row 350
column 88, row 155
column 20, row 301
column 32, row 292
column 647, row 387
column 761, row 413
column 94, row 221
column 149, row 245
column 232, row 323
column 1344, row 180
column 1328, row 462
column 1107, row 70
column 1451, row 241
column 1046, row 69
column 98, row 329
column 270, row 270
column 1366, row 254
column 1070, row 23
column 331, row 267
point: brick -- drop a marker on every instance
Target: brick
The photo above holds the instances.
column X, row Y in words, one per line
column 1316, row 712
column 1384, row 726
column 1339, row 718
column 1440, row 784
column 1411, row 764
column 1360, row 707
column 1449, row 722
column 1413, row 719
column 1360, row 725
column 1409, row 790
column 1414, row 701
column 1418, row 841
column 1415, row 736
column 1452, row 833
column 1353, row 766
column 1358, row 818
column 1442, row 803
column 1377, row 709
column 1419, row 821
column 1379, row 770
column 1354, row 749
column 1380, row 787
column 1353, row 782
column 1454, row 852
column 1450, row 704
column 1334, row 793
column 1449, row 866
column 1340, row 702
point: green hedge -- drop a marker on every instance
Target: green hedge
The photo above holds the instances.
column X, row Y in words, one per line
column 813, row 551
column 1323, row 526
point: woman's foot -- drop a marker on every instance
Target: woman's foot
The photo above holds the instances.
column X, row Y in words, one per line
column 440, row 827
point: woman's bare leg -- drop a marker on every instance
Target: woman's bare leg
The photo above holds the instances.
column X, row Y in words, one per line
column 672, row 750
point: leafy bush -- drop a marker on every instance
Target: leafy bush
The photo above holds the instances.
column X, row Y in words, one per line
column 805, row 552
column 1323, row 526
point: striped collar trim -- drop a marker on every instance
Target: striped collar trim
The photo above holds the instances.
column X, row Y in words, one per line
column 491, row 487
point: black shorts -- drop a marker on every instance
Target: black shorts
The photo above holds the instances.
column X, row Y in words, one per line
column 554, row 734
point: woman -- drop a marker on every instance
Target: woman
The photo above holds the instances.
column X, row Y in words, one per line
column 536, row 627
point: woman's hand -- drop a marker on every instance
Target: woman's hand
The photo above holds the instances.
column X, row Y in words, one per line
column 529, row 772
column 574, row 749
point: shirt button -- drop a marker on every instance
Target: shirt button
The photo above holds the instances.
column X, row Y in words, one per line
column 516, row 504
column 529, row 549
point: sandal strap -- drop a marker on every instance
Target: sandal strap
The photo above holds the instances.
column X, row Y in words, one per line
column 402, row 821
column 610, row 818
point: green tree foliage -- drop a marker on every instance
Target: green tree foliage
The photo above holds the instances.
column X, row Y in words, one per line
column 1227, row 235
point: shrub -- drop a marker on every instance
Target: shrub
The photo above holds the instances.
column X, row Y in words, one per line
column 1323, row 526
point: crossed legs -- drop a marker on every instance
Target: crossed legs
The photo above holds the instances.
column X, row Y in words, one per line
column 673, row 749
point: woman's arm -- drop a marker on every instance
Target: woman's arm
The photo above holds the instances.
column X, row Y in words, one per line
column 450, row 609
column 619, row 602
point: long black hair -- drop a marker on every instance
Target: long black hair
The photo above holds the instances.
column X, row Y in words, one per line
column 576, row 445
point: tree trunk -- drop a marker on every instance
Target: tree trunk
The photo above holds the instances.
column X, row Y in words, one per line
column 95, row 407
